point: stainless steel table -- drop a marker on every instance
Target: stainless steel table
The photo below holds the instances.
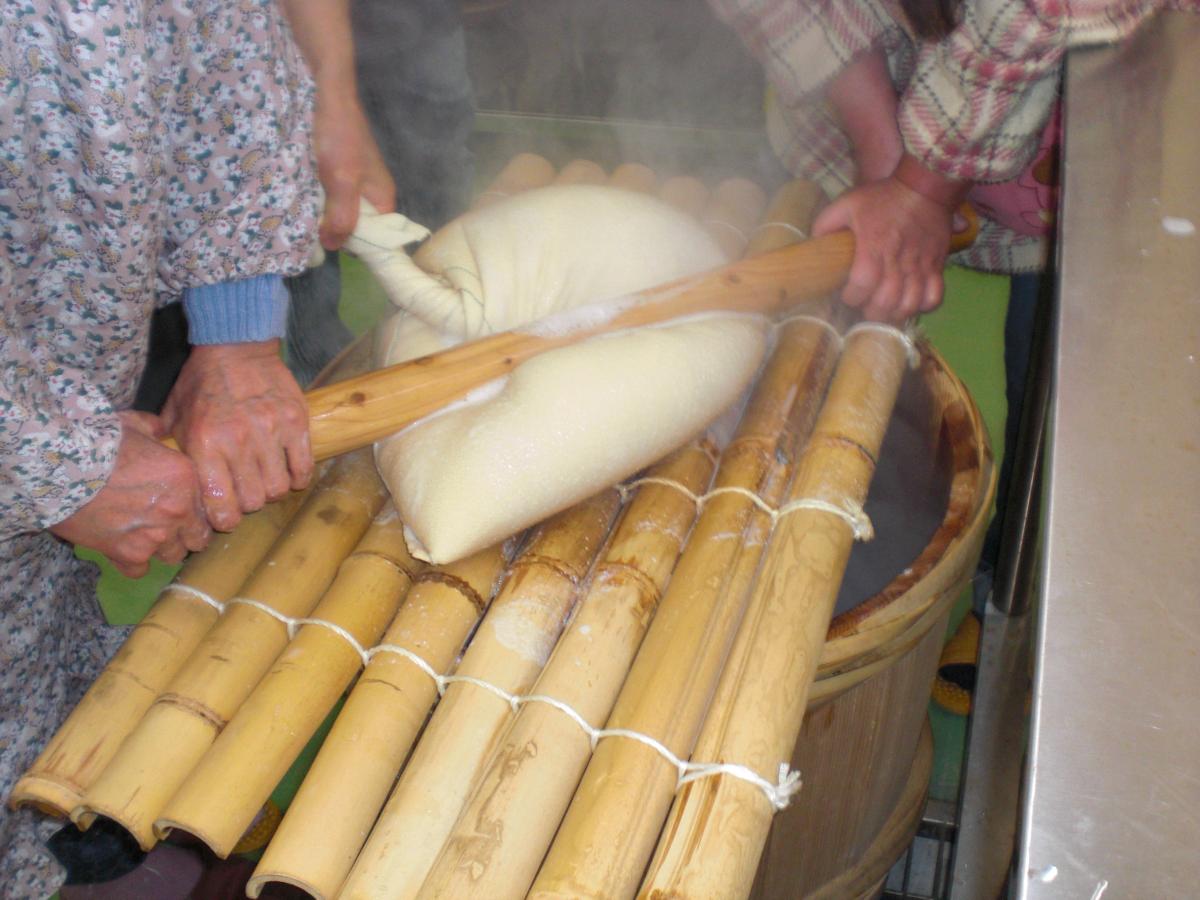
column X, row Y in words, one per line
column 1113, row 769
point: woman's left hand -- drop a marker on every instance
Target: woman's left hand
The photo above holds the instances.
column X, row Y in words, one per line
column 349, row 165
column 239, row 415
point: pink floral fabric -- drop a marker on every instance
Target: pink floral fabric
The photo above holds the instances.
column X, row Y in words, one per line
column 146, row 146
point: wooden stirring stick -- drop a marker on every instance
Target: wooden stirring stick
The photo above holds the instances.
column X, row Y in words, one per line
column 361, row 410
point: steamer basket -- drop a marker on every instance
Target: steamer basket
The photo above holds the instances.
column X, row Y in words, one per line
column 865, row 751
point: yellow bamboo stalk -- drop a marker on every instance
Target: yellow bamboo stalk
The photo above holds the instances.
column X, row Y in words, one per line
column 505, row 828
column 627, row 788
column 151, row 655
column 717, row 826
column 220, row 798
column 789, row 217
column 356, row 767
column 509, row 649
column 202, row 697
column 735, row 207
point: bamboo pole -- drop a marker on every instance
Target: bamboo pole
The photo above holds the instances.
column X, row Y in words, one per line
column 361, row 410
column 505, row 828
column 186, row 718
column 151, row 655
column 220, row 798
column 735, row 207
column 627, row 788
column 356, row 767
column 789, row 217
column 717, row 827
column 509, row 649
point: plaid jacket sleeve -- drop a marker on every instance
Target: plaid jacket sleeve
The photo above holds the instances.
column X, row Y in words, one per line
column 979, row 99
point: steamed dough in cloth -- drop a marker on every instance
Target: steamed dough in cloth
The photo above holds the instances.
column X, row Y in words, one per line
column 570, row 421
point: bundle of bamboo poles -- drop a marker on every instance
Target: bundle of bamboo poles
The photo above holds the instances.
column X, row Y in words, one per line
column 677, row 579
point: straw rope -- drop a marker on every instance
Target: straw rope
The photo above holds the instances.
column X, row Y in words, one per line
column 778, row 794
column 728, row 226
column 852, row 514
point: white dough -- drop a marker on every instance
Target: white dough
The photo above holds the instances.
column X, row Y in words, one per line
column 571, row 421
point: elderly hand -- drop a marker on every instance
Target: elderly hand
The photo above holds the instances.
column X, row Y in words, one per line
column 240, row 416
column 150, row 505
column 349, row 165
column 902, row 226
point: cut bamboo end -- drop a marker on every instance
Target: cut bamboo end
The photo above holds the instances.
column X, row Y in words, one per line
column 154, row 651
column 788, row 218
column 220, row 798
column 204, row 694
column 733, row 210
column 356, row 767
column 507, row 651
column 504, row 830
column 760, row 704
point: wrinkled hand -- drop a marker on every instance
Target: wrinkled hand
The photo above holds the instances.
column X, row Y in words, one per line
column 901, row 241
column 349, row 166
column 240, row 416
column 150, row 505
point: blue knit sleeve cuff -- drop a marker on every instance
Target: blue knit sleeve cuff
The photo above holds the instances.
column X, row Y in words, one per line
column 237, row 312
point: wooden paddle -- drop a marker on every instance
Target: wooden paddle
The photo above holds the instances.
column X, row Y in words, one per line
column 362, row 410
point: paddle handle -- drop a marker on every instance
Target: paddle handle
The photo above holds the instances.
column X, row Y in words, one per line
column 361, row 410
